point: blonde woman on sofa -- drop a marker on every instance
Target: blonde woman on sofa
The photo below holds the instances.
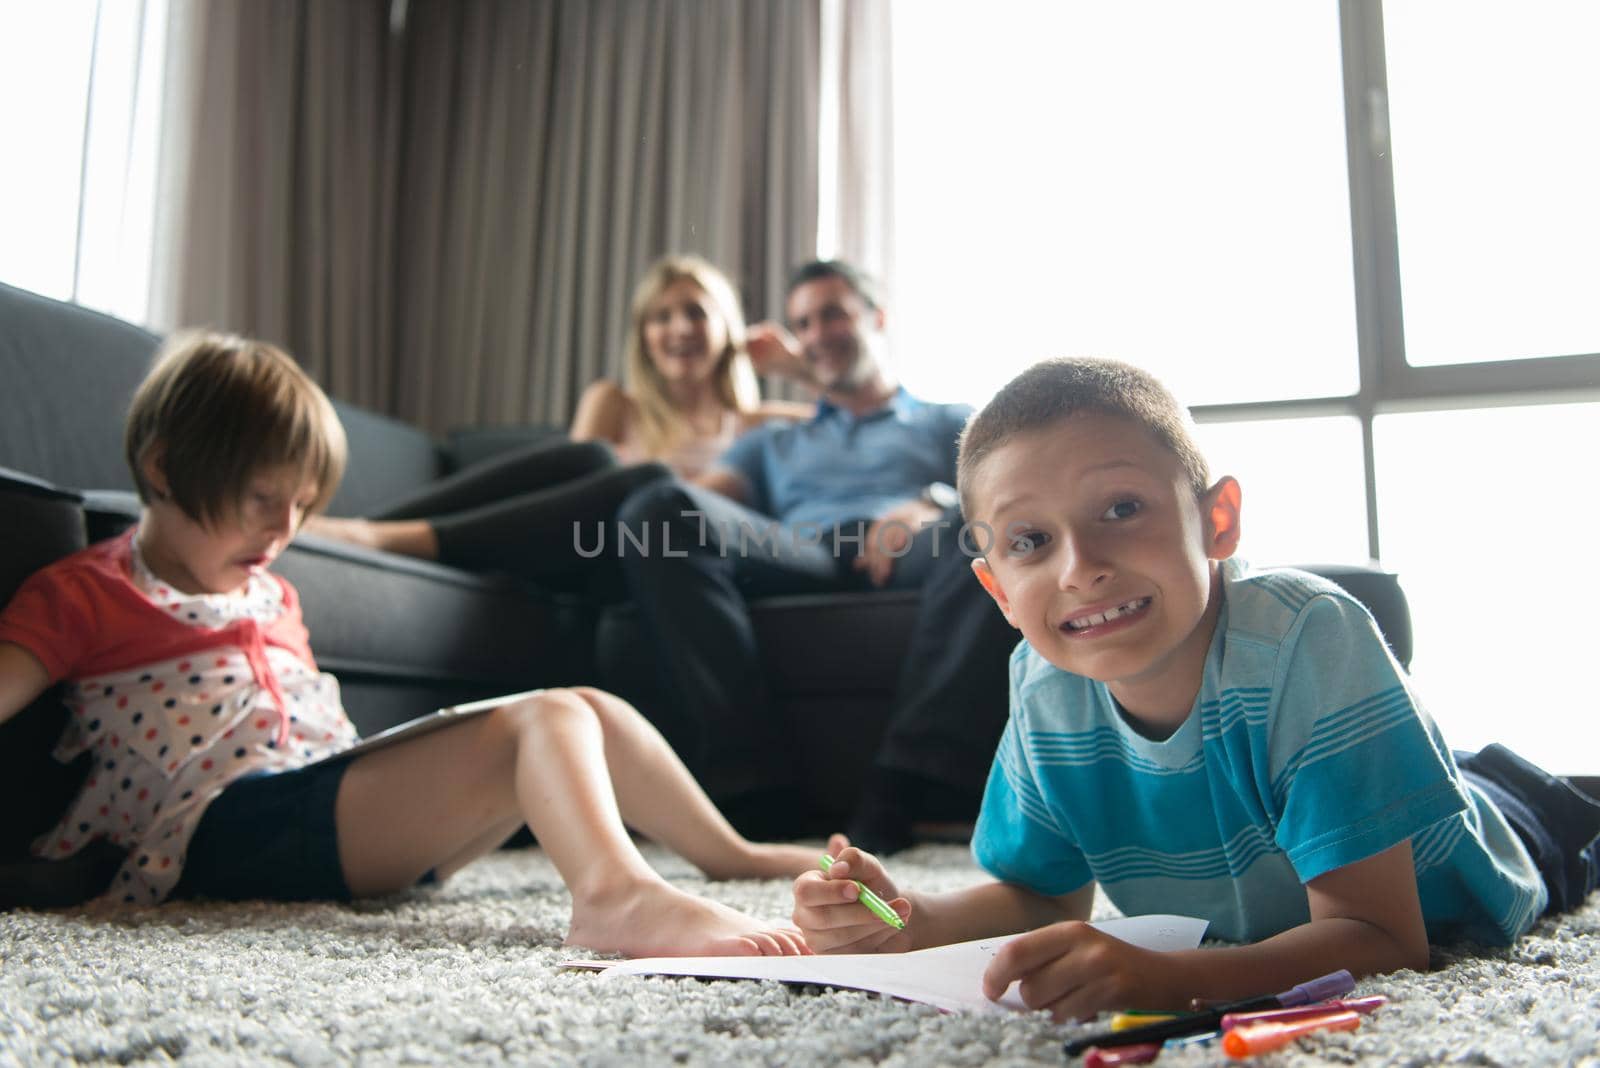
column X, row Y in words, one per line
column 689, row 386
column 689, row 391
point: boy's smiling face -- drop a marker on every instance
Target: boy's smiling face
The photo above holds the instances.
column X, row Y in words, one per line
column 1104, row 558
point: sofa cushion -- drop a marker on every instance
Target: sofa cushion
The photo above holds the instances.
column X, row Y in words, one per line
column 388, row 459
column 446, row 633
column 59, row 361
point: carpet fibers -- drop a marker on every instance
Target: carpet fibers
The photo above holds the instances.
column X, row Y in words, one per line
column 466, row 974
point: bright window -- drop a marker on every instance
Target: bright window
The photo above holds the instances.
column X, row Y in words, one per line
column 1496, row 164
column 1489, row 517
column 1301, row 484
column 81, row 86
column 45, row 50
column 1112, row 179
column 1170, row 184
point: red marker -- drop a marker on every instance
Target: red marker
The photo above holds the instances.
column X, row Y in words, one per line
column 1143, row 1053
column 1361, row 1005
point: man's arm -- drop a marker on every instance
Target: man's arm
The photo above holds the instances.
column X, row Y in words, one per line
column 739, row 474
column 22, row 678
column 1365, row 917
column 726, row 481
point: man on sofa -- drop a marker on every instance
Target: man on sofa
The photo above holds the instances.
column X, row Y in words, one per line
column 858, row 497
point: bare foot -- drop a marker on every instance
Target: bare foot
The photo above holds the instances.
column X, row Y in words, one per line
column 767, row 860
column 654, row 919
column 408, row 537
column 350, row 531
column 763, row 860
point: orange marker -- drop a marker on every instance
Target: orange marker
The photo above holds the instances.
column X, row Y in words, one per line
column 1263, row 1037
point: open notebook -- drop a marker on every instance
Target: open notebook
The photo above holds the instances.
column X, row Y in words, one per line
column 946, row 977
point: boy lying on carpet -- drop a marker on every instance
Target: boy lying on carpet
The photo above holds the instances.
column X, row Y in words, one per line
column 193, row 685
column 1199, row 738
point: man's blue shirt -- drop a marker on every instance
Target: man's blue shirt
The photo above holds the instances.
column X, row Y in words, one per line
column 836, row 467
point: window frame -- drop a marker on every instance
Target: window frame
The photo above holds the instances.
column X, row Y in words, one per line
column 1387, row 383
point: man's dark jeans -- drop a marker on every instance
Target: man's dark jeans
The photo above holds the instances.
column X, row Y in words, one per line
column 692, row 588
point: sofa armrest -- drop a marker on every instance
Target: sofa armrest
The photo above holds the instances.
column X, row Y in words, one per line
column 42, row 524
column 1380, row 592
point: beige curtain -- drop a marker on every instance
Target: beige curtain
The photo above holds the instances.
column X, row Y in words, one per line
column 444, row 218
column 866, row 140
column 277, row 209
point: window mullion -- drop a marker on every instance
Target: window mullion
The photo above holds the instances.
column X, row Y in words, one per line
column 1375, row 253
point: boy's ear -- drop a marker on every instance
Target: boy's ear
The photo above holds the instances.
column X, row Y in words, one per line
column 986, row 579
column 152, row 467
column 1220, row 507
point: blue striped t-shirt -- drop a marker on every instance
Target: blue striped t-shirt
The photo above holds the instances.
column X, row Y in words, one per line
column 1305, row 751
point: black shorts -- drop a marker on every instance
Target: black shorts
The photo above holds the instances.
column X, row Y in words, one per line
column 270, row 835
column 1556, row 822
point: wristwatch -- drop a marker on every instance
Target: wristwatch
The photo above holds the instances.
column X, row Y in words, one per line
column 941, row 495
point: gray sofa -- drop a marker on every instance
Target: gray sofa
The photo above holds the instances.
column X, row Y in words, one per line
column 404, row 636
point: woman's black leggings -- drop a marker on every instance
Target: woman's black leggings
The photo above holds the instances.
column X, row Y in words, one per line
column 523, row 512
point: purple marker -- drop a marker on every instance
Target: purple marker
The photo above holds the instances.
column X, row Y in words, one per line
column 1329, row 986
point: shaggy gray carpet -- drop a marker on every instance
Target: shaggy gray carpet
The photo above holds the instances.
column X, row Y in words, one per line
column 466, row 973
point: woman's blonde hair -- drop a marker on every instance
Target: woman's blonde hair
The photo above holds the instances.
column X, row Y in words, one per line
column 661, row 425
column 218, row 409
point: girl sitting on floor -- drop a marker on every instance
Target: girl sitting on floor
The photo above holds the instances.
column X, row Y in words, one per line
column 192, row 683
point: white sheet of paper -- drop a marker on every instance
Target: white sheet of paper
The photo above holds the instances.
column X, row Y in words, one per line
column 946, row 977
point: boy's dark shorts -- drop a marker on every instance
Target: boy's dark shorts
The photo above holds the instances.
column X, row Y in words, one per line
column 1556, row 822
column 270, row 835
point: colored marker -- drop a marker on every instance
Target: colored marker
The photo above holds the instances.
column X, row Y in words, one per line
column 1245, row 1019
column 1264, row 1037
column 874, row 903
column 1143, row 1053
column 1328, row 986
column 1122, row 1021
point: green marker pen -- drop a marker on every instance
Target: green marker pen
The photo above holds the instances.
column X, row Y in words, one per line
column 874, row 903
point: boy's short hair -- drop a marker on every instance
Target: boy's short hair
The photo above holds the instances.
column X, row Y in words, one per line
column 220, row 408
column 1054, row 390
column 818, row 270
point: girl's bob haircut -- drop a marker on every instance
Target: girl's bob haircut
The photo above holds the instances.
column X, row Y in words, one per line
column 216, row 410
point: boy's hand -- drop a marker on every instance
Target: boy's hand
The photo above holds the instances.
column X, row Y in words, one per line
column 1076, row 971
column 830, row 917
